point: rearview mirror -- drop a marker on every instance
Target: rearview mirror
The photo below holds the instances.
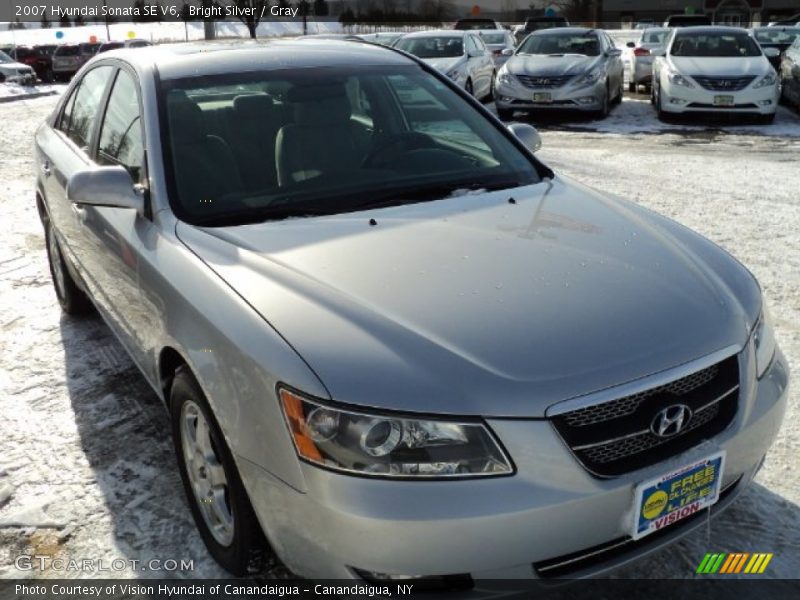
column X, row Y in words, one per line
column 507, row 52
column 105, row 186
column 526, row 134
column 772, row 52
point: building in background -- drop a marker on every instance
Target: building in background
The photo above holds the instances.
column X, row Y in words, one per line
column 626, row 13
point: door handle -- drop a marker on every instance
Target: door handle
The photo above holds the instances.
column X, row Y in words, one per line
column 80, row 212
column 46, row 169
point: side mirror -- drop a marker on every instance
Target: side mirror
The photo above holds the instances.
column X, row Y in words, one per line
column 105, row 186
column 631, row 45
column 614, row 52
column 526, row 134
column 772, row 52
column 507, row 52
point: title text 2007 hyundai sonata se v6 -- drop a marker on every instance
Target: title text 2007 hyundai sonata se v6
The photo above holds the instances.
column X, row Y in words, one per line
column 393, row 343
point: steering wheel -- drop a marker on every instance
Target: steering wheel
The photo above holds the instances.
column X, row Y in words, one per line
column 397, row 144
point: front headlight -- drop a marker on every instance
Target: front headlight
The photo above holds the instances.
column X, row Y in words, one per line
column 454, row 74
column 505, row 78
column 386, row 445
column 764, row 342
column 591, row 77
column 678, row 79
column 767, row 80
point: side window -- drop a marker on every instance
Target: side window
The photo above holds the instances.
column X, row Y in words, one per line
column 480, row 44
column 121, row 130
column 66, row 116
column 359, row 101
column 469, row 44
column 83, row 115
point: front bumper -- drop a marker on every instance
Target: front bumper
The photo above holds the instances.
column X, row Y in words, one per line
column 496, row 528
column 681, row 99
column 22, row 78
column 570, row 96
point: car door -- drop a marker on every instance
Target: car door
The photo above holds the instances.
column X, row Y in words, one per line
column 615, row 67
column 63, row 149
column 115, row 236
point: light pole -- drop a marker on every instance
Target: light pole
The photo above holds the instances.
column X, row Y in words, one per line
column 105, row 18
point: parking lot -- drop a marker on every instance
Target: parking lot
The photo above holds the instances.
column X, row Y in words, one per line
column 86, row 462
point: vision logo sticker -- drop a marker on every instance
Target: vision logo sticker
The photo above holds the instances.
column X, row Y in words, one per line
column 736, row 562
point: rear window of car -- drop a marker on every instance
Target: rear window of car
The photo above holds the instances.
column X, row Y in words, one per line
column 433, row 46
column 777, row 35
column 67, row 51
column 475, row 24
column 494, row 38
column 655, row 37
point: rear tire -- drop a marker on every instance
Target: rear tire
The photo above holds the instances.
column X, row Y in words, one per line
column 225, row 519
column 632, row 87
column 72, row 299
column 505, row 114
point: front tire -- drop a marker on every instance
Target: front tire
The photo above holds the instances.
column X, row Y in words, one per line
column 72, row 299
column 505, row 114
column 605, row 106
column 468, row 87
column 219, row 503
column 632, row 87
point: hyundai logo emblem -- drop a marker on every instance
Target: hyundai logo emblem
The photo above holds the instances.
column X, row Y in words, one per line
column 671, row 420
column 541, row 81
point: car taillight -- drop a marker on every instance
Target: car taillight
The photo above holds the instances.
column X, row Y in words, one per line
column 641, row 52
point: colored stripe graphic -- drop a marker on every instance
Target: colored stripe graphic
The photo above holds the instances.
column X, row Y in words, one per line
column 715, row 567
column 736, row 562
column 740, row 564
column 703, row 563
column 729, row 563
column 754, row 563
column 766, row 562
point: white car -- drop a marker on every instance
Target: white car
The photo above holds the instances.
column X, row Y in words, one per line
column 639, row 69
column 714, row 69
column 461, row 55
column 500, row 43
column 12, row 71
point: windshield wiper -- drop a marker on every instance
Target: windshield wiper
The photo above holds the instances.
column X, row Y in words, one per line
column 432, row 192
column 263, row 213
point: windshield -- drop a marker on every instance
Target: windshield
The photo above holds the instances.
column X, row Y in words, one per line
column 716, row 45
column 561, row 43
column 655, row 36
column 433, row 47
column 67, row 51
column 494, row 38
column 5, row 58
column 249, row 147
column 777, row 35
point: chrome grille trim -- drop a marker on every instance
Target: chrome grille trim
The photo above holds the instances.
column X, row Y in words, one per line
column 723, row 84
column 547, row 82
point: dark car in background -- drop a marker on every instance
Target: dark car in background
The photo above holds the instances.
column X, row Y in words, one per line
column 476, row 23
column 537, row 24
column 790, row 74
column 687, row 21
column 779, row 37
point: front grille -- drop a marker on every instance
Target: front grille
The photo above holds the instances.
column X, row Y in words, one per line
column 723, row 84
column 547, row 82
column 616, row 437
column 571, row 564
column 721, row 107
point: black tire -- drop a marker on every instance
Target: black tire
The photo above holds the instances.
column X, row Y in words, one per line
column 632, row 87
column 468, row 87
column 491, row 86
column 248, row 550
column 620, row 93
column 605, row 107
column 70, row 296
column 660, row 112
column 505, row 114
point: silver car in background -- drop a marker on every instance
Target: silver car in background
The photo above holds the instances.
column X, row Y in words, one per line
column 563, row 68
column 460, row 54
column 500, row 43
column 393, row 344
column 639, row 69
column 12, row 71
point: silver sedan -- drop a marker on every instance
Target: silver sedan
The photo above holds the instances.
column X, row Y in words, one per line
column 391, row 342
column 562, row 68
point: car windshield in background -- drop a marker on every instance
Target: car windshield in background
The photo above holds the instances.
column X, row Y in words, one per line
column 655, row 37
column 67, row 51
column 561, row 43
column 494, row 38
column 777, row 35
column 5, row 58
column 251, row 147
column 433, row 47
column 699, row 44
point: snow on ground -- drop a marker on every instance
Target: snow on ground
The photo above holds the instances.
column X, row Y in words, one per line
column 86, row 464
column 15, row 91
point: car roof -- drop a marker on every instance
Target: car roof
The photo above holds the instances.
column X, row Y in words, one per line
column 175, row 61
column 445, row 33
column 563, row 30
column 710, row 29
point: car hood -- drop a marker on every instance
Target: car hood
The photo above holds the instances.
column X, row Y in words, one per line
column 444, row 64
column 476, row 306
column 721, row 66
column 13, row 67
column 569, row 64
